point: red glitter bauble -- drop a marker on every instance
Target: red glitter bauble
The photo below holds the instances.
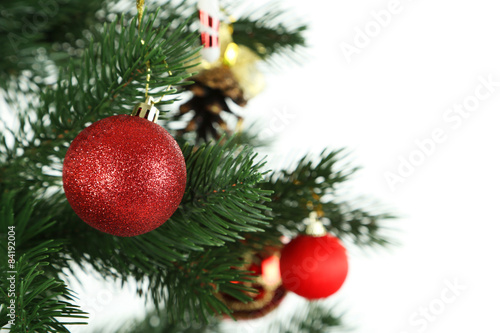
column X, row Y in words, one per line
column 124, row 175
column 313, row 267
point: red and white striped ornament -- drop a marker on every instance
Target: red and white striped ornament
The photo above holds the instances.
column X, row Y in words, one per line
column 209, row 29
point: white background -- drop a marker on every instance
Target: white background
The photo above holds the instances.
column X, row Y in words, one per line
column 395, row 92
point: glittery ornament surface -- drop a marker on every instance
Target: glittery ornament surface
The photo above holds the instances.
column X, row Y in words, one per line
column 124, row 175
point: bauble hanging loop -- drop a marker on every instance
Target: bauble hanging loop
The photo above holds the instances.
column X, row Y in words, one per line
column 315, row 228
column 146, row 110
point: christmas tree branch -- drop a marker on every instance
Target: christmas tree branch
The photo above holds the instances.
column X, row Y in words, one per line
column 110, row 79
column 222, row 199
column 159, row 323
column 222, row 194
column 222, row 203
column 311, row 186
column 36, row 34
column 316, row 317
column 269, row 31
column 186, row 262
column 190, row 293
column 37, row 297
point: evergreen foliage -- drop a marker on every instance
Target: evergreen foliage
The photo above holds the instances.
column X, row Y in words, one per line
column 269, row 32
column 311, row 185
column 35, row 33
column 42, row 299
column 231, row 204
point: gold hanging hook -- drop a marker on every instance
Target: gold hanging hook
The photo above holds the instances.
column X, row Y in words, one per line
column 147, row 109
column 315, row 227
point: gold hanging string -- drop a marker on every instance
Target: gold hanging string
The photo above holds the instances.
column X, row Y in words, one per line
column 315, row 227
column 140, row 10
column 318, row 207
column 148, row 77
column 140, row 13
column 146, row 109
column 169, row 86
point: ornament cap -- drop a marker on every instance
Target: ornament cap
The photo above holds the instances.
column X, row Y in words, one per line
column 146, row 110
column 315, row 227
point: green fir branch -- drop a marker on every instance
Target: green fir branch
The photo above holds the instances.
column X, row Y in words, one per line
column 35, row 35
column 222, row 203
column 222, row 198
column 159, row 323
column 222, row 193
column 110, row 79
column 190, row 293
column 311, row 186
column 316, row 317
column 43, row 303
column 270, row 31
column 230, row 205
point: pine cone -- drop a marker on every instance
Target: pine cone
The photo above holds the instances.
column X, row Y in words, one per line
column 210, row 90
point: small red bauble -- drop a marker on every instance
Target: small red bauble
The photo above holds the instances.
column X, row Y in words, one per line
column 124, row 175
column 313, row 267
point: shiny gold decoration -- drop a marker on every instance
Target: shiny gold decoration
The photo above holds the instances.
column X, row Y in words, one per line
column 315, row 227
column 223, row 79
column 234, row 75
column 267, row 282
column 240, row 59
column 146, row 110
column 140, row 10
column 231, row 54
column 244, row 68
